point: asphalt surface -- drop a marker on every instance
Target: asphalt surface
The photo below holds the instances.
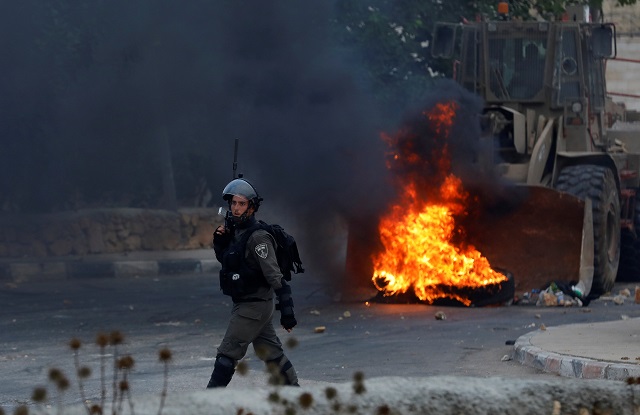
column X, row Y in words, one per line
column 43, row 306
column 609, row 344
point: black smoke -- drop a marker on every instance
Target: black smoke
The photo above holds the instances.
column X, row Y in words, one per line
column 92, row 92
column 440, row 136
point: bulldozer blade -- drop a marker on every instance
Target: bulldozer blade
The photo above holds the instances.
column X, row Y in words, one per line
column 546, row 237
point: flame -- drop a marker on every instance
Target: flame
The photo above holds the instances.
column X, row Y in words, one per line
column 417, row 232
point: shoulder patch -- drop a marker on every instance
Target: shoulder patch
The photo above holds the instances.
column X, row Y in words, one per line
column 262, row 250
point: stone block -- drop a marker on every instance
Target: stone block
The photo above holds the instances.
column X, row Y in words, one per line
column 61, row 247
column 204, row 234
column 619, row 372
column 90, row 270
column 593, row 370
column 553, row 364
column 38, row 271
column 539, row 361
column 26, row 271
column 153, row 241
column 132, row 243
column 136, row 268
column 96, row 241
column 569, row 369
column 137, row 228
column 179, row 266
column 123, row 233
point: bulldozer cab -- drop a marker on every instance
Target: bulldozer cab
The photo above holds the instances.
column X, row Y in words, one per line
column 543, row 84
column 510, row 66
column 515, row 61
column 529, row 72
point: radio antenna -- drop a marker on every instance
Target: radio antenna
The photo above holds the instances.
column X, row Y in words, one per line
column 235, row 158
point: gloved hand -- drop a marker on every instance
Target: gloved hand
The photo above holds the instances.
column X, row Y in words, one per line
column 288, row 321
column 221, row 240
column 285, row 305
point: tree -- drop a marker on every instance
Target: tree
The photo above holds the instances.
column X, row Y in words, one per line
column 523, row 8
column 93, row 94
column 392, row 37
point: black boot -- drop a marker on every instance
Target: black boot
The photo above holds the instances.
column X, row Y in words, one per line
column 223, row 371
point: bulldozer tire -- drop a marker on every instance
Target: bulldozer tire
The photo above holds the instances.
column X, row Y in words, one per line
column 629, row 269
column 598, row 184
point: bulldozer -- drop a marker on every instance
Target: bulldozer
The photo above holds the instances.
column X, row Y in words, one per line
column 549, row 121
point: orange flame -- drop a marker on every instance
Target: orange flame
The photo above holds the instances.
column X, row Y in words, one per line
column 417, row 233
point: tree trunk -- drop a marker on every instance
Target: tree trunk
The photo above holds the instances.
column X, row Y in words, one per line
column 168, row 200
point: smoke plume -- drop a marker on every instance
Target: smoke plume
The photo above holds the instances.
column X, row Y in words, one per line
column 94, row 92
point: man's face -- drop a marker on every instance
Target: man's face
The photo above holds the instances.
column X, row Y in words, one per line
column 240, row 205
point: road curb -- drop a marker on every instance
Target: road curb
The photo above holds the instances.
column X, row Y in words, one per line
column 569, row 366
column 55, row 270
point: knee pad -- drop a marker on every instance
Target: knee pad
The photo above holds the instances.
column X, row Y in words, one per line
column 282, row 371
column 225, row 362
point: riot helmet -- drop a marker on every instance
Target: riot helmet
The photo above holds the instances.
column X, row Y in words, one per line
column 241, row 187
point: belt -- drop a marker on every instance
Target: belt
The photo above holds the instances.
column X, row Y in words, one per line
column 249, row 300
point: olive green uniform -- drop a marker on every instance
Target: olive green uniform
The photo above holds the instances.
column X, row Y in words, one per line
column 251, row 316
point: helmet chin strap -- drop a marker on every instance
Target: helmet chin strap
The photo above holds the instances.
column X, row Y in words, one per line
column 239, row 220
column 242, row 218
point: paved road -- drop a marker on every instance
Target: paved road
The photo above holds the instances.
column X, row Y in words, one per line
column 188, row 314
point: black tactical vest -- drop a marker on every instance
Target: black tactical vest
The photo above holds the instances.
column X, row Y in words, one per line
column 237, row 279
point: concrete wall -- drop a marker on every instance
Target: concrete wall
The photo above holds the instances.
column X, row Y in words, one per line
column 104, row 231
column 624, row 77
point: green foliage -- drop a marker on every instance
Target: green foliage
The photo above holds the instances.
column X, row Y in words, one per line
column 392, row 37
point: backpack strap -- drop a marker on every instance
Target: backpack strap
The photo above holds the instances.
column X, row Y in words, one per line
column 245, row 236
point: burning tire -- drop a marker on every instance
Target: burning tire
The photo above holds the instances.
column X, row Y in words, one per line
column 488, row 295
column 598, row 184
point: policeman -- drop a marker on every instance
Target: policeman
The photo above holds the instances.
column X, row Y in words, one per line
column 251, row 276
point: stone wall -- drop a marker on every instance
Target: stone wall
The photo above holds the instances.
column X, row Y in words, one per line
column 624, row 17
column 106, row 231
column 623, row 76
